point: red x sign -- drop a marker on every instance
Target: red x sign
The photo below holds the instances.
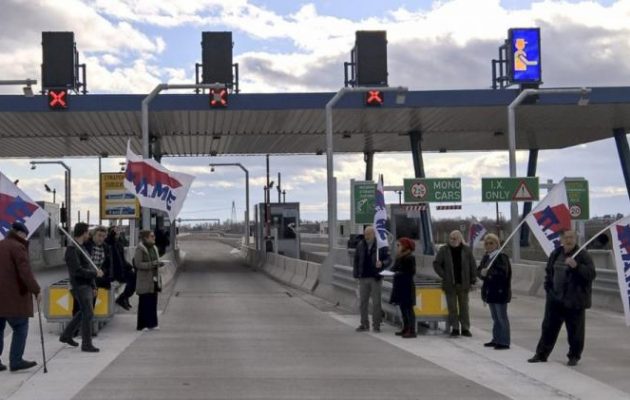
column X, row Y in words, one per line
column 218, row 98
column 374, row 98
column 58, row 99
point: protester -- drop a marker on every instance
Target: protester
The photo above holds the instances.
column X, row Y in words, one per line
column 148, row 281
column 101, row 256
column 457, row 267
column 83, row 288
column 404, row 288
column 367, row 270
column 496, row 290
column 568, row 283
column 17, row 287
column 122, row 270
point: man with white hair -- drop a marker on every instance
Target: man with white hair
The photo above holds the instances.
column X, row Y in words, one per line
column 367, row 270
column 457, row 267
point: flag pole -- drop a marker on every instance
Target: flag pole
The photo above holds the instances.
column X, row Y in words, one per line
column 596, row 235
column 507, row 240
column 78, row 246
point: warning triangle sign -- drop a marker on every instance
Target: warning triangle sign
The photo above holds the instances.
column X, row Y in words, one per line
column 522, row 192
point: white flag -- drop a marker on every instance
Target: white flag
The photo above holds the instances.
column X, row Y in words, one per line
column 476, row 232
column 155, row 186
column 380, row 216
column 620, row 233
column 16, row 206
column 550, row 217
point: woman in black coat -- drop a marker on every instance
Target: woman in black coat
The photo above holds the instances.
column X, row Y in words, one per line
column 496, row 290
column 404, row 290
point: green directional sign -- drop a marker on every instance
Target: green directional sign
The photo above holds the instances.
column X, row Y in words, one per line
column 577, row 195
column 509, row 189
column 433, row 190
column 363, row 202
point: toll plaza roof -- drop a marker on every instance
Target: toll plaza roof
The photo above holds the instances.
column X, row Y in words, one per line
column 294, row 123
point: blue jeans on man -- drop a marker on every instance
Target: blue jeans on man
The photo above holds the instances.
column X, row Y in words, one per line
column 501, row 326
column 18, row 341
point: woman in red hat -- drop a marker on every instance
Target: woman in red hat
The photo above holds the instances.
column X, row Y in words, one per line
column 404, row 290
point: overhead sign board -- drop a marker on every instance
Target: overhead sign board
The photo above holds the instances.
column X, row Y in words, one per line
column 524, row 55
column 116, row 201
column 363, row 194
column 577, row 195
column 509, row 189
column 433, row 190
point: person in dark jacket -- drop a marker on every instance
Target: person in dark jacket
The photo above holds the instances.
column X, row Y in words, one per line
column 123, row 270
column 568, row 284
column 404, row 287
column 101, row 256
column 457, row 267
column 496, row 290
column 17, row 287
column 367, row 270
column 83, row 288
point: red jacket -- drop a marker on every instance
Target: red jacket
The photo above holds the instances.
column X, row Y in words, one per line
column 17, row 283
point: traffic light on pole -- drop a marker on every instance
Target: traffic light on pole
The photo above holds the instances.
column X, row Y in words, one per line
column 218, row 98
column 58, row 99
column 374, row 98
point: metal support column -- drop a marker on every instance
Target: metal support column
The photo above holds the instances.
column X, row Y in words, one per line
column 527, row 206
column 418, row 166
column 368, row 157
column 624, row 154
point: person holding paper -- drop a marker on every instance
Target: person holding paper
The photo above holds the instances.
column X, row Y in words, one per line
column 496, row 272
column 569, row 279
column 148, row 280
column 404, row 288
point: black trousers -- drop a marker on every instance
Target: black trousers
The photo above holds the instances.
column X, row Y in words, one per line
column 408, row 317
column 130, row 286
column 84, row 297
column 555, row 315
column 147, row 311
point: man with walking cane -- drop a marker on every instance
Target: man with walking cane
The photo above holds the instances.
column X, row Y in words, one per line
column 17, row 287
column 83, row 286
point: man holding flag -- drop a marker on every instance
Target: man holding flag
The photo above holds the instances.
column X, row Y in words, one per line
column 569, row 277
column 370, row 256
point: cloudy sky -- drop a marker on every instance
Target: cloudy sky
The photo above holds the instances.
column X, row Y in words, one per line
column 295, row 46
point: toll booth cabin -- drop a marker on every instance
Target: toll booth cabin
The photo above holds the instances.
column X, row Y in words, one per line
column 283, row 235
column 45, row 248
column 404, row 221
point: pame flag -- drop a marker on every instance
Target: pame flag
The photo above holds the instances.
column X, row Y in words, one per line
column 16, row 206
column 550, row 218
column 380, row 216
column 620, row 233
column 155, row 186
column 476, row 232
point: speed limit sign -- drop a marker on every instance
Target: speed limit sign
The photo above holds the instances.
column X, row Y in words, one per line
column 419, row 190
column 575, row 211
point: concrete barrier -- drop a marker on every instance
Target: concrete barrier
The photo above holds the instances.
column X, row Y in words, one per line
column 290, row 265
column 312, row 276
column 301, row 269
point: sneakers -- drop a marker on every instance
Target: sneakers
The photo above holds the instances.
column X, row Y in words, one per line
column 376, row 329
column 466, row 332
column 399, row 333
column 123, row 303
column 23, row 365
column 409, row 335
column 537, row 358
column 2, row 367
column 489, row 344
column 501, row 347
column 572, row 362
column 90, row 349
column 69, row 341
column 362, row 328
column 455, row 333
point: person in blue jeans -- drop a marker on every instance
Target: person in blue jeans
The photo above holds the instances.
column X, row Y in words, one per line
column 496, row 290
column 17, row 288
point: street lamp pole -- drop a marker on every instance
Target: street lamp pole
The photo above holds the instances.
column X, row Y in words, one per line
column 246, row 193
column 330, row 179
column 68, row 186
column 583, row 92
